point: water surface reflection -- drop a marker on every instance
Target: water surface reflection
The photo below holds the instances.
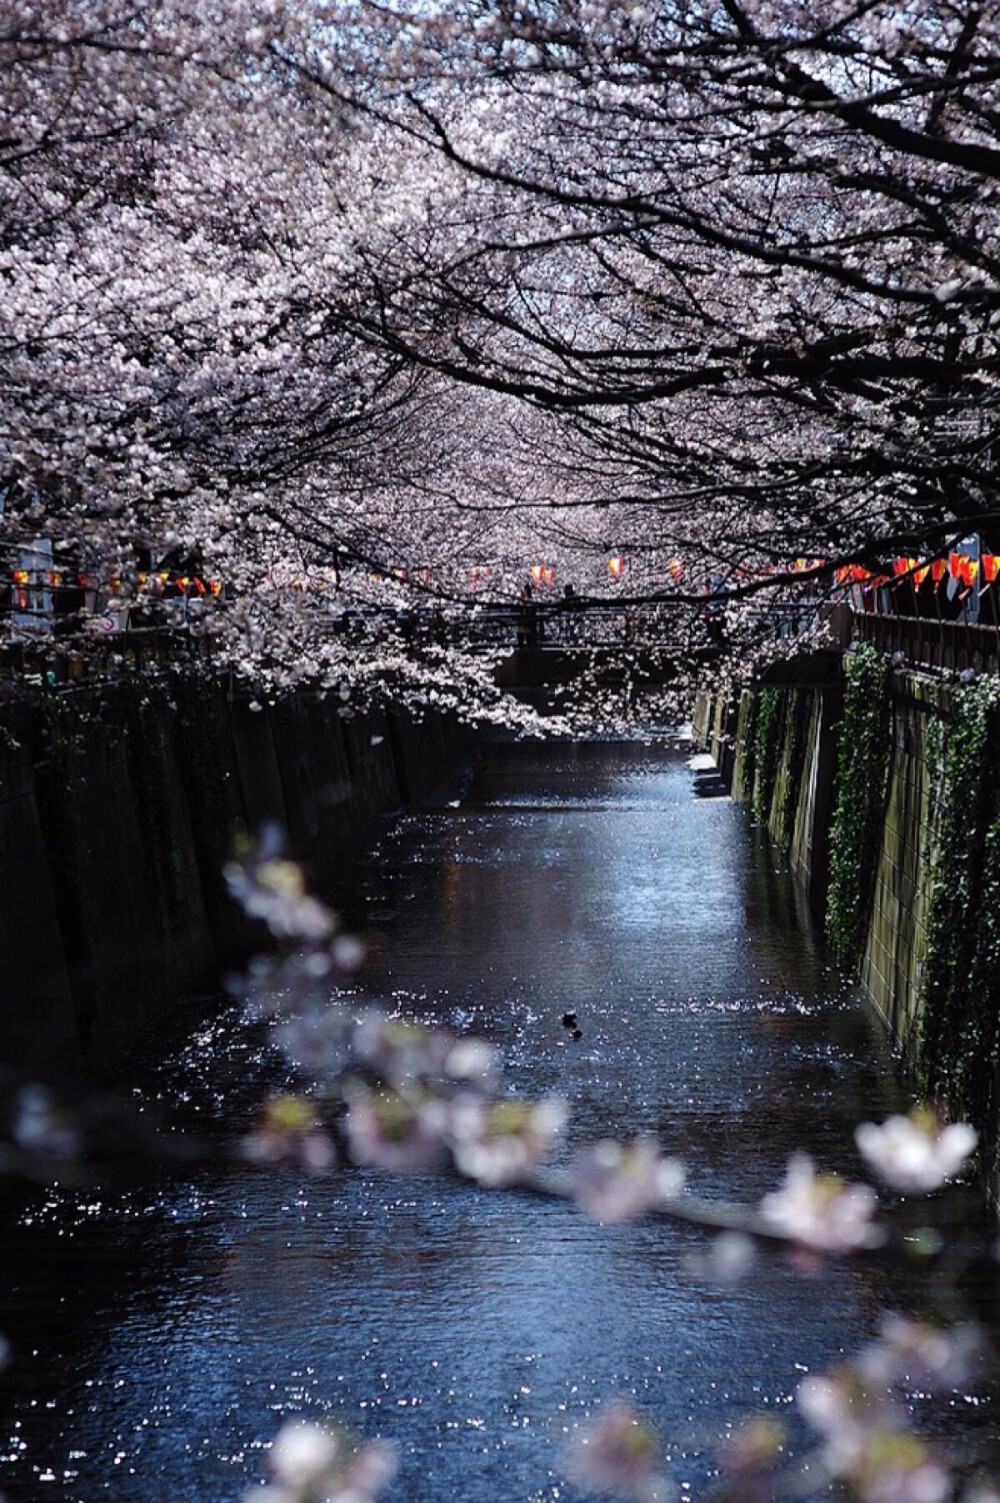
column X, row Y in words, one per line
column 161, row 1335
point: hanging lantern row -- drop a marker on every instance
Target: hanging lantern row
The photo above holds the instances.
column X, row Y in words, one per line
column 161, row 579
column 400, row 573
column 961, row 566
column 56, row 579
column 544, row 574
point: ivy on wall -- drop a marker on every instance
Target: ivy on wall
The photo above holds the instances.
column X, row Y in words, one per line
column 769, row 732
column 863, row 756
column 748, row 739
column 958, row 1041
column 793, row 756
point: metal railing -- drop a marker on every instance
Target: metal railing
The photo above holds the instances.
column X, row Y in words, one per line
column 48, row 659
column 943, row 646
column 578, row 625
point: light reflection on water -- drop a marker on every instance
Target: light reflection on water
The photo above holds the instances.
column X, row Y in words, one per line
column 161, row 1335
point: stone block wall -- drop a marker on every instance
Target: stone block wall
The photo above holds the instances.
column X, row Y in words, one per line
column 118, row 808
column 892, row 967
column 896, row 943
column 797, row 808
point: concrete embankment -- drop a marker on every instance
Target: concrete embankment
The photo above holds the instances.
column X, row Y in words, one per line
column 118, row 808
column 881, row 786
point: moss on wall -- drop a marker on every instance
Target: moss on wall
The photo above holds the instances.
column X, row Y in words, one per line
column 913, row 825
column 863, row 755
column 769, row 731
column 958, row 1016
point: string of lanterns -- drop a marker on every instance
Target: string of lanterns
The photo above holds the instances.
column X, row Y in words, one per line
column 24, row 580
column 964, row 567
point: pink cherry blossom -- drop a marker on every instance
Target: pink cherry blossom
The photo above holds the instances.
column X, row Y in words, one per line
column 916, row 1152
column 821, row 1211
column 497, row 1142
column 618, row 1453
column 321, row 1463
column 616, row 1182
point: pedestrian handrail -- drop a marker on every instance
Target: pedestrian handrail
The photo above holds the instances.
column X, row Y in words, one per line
column 944, row 646
column 580, row 626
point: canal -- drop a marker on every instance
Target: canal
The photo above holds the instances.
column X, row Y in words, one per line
column 161, row 1332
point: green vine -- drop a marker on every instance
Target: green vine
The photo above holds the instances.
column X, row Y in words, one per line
column 934, row 759
column 974, row 1082
column 793, row 755
column 748, row 766
column 957, row 1045
column 863, row 756
column 768, row 738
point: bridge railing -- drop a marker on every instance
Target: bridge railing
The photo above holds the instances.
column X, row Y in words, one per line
column 947, row 646
column 538, row 625
column 951, row 646
column 47, row 659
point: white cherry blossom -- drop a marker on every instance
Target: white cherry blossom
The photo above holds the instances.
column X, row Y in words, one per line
column 821, row 1211
column 917, row 1152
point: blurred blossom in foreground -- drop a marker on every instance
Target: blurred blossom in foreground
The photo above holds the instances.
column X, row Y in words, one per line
column 313, row 1463
column 915, row 1353
column 867, row 1441
column 41, row 1125
column 290, row 1131
column 401, row 1052
column 820, row 1210
column 618, row 1181
column 618, row 1453
column 917, row 1152
column 396, row 1130
column 496, row 1142
column 276, row 894
column 749, row 1458
column 272, row 888
column 728, row 1258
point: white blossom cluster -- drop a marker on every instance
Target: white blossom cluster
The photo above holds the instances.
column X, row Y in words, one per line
column 319, row 290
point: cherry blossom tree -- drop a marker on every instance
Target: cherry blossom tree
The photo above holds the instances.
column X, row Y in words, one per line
column 746, row 251
column 316, row 291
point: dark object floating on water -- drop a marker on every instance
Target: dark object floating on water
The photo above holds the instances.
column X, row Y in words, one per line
column 569, row 1019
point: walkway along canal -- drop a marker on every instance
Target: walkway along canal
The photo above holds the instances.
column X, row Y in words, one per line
column 160, row 1334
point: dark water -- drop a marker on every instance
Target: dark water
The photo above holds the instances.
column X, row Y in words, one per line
column 161, row 1335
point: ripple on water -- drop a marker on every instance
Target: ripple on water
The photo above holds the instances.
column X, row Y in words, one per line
column 162, row 1334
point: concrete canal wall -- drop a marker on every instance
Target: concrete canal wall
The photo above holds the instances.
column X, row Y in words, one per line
column 118, row 807
column 883, row 790
column 776, row 751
